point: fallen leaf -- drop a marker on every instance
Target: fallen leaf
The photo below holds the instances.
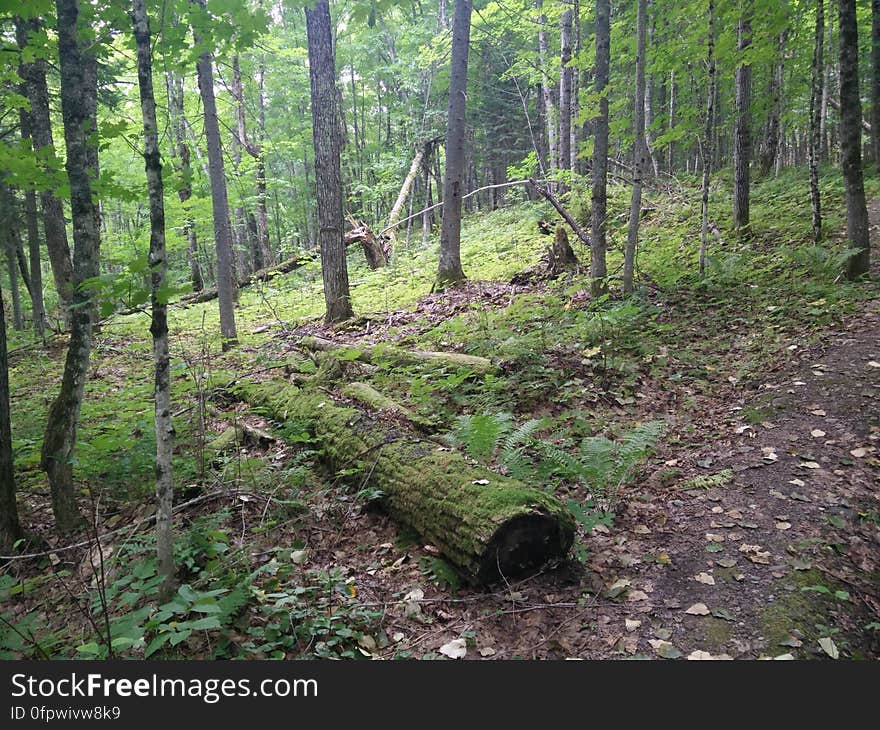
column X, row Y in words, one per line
column 668, row 651
column 859, row 452
column 792, row 642
column 455, row 649
column 699, row 654
column 810, row 465
column 487, row 651
column 704, row 578
column 783, row 525
column 698, row 609
column 726, row 562
column 784, row 657
column 723, row 613
column 873, row 364
column 829, row 647
column 662, row 634
column 632, row 624
column 617, row 588
column 798, row 483
column 817, row 433
column 641, row 530
column 637, row 596
column 818, row 412
column 714, row 547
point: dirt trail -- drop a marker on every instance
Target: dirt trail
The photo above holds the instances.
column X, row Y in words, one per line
column 789, row 502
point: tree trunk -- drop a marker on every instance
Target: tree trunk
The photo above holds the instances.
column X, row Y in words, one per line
column 742, row 140
column 159, row 325
column 708, row 141
column 815, row 143
column 565, row 82
column 184, row 170
column 34, row 78
column 670, row 162
column 78, row 107
column 550, row 118
column 10, row 528
column 406, row 188
column 857, row 231
column 11, row 243
column 640, row 160
column 449, row 271
column 226, row 285
column 575, row 88
column 875, row 81
column 649, row 102
column 327, row 135
column 32, row 222
column 489, row 526
column 774, row 123
column 285, row 267
column 598, row 245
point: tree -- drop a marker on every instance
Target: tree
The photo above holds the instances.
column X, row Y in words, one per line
column 640, row 150
column 327, row 137
column 742, row 140
column 10, row 528
column 875, row 81
column 548, row 108
column 857, row 231
column 33, row 74
column 226, row 284
column 158, row 300
column 31, row 220
column 182, row 161
column 565, row 88
column 815, row 121
column 449, row 272
column 707, row 144
column 78, row 109
column 598, row 243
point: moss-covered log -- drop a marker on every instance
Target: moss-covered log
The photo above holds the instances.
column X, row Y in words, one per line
column 369, row 353
column 486, row 524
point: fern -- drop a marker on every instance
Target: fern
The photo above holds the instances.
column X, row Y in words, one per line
column 480, row 435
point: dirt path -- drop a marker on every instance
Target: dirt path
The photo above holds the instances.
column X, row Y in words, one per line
column 790, row 501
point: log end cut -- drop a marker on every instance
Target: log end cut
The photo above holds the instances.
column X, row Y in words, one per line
column 525, row 543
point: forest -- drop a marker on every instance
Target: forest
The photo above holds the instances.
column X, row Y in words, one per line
column 439, row 329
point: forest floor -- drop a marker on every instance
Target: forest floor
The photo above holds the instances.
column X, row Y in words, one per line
column 751, row 530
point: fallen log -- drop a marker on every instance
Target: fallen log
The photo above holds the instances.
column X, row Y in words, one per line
column 285, row 267
column 368, row 354
column 488, row 526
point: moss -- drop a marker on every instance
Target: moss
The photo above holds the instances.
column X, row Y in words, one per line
column 717, row 633
column 462, row 509
column 795, row 609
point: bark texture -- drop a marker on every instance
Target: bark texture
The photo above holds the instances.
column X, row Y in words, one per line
column 449, row 271
column 598, row 245
column 815, row 119
column 742, row 133
column 857, row 231
column 640, row 151
column 159, row 324
column 226, row 284
column 327, row 136
column 78, row 108
column 10, row 528
column 708, row 142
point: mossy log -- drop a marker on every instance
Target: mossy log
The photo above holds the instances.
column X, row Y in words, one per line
column 485, row 524
column 369, row 353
